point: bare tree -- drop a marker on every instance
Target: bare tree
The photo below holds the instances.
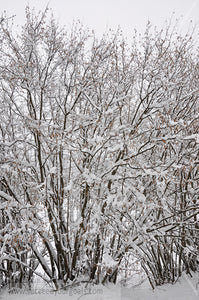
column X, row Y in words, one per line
column 99, row 151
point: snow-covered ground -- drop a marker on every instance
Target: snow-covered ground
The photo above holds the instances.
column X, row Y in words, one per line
column 185, row 288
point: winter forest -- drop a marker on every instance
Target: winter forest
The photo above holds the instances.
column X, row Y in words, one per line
column 99, row 154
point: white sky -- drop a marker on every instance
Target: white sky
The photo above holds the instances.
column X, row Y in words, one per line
column 103, row 14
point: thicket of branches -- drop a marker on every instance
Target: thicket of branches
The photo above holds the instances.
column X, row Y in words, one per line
column 99, row 153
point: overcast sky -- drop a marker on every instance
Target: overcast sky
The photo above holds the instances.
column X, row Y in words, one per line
column 102, row 14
